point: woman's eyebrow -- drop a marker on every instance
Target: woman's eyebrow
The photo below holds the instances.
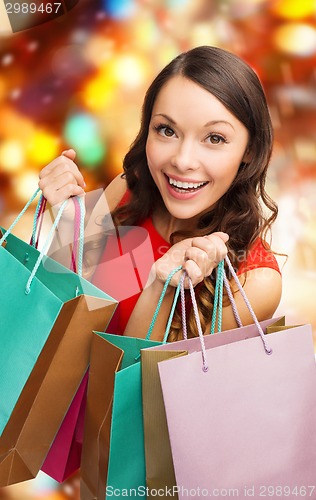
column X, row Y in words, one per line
column 216, row 122
column 166, row 118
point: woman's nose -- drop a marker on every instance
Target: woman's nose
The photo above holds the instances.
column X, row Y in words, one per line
column 185, row 156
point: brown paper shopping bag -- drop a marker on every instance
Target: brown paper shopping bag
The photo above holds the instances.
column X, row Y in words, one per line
column 47, row 317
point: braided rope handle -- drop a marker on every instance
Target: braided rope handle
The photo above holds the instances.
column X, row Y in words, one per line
column 267, row 349
column 50, row 234
column 163, row 293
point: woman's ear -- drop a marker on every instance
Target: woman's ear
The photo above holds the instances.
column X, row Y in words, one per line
column 247, row 156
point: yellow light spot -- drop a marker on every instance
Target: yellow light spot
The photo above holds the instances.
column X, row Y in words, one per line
column 294, row 9
column 99, row 92
column 43, row 148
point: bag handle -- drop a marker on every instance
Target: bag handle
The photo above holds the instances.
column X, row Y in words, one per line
column 50, row 236
column 38, row 220
column 267, row 349
column 37, row 226
column 174, row 303
column 217, row 306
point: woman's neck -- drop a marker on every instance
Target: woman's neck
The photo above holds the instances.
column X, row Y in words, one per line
column 165, row 224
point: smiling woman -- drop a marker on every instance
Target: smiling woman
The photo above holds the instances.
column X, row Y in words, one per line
column 192, row 159
column 194, row 180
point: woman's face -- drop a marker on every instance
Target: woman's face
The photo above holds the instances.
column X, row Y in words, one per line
column 194, row 147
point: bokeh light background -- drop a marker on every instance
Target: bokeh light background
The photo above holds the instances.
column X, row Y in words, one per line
column 79, row 81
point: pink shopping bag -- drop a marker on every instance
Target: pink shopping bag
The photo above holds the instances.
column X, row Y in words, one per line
column 63, row 458
column 241, row 413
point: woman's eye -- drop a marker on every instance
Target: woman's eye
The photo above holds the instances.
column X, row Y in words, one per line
column 165, row 131
column 216, row 139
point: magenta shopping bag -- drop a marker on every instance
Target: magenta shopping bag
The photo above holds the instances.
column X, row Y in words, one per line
column 63, row 458
column 241, row 412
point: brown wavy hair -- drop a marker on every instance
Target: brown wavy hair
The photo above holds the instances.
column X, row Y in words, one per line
column 241, row 211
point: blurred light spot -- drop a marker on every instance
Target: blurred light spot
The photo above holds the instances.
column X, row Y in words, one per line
column 296, row 38
column 130, row 70
column 7, row 59
column 32, row 46
column 99, row 92
column 42, row 148
column 177, row 4
column 15, row 94
column 11, row 156
column 204, row 33
column 98, row 50
column 305, row 150
column 294, row 9
column 25, row 185
column 82, row 133
column 119, row 9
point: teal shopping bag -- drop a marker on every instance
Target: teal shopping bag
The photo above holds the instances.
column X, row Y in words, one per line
column 47, row 316
column 113, row 456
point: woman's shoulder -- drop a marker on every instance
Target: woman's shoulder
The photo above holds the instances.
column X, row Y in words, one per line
column 116, row 192
column 259, row 255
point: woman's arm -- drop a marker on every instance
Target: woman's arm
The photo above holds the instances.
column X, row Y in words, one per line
column 61, row 180
column 198, row 256
column 263, row 287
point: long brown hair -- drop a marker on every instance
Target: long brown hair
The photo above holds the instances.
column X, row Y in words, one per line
column 240, row 212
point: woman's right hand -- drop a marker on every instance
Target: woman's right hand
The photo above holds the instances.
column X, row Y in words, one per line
column 61, row 179
column 198, row 256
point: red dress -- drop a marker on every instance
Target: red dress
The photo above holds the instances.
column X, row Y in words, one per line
column 128, row 257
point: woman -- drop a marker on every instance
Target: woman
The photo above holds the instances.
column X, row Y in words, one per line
column 194, row 178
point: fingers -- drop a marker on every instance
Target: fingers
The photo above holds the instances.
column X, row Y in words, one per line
column 61, row 179
column 204, row 255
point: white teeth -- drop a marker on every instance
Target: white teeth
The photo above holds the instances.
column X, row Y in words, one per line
column 185, row 185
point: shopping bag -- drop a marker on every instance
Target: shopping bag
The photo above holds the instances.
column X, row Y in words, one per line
column 159, row 463
column 47, row 317
column 113, row 457
column 242, row 414
column 64, row 455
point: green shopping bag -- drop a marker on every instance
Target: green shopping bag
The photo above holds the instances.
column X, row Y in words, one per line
column 47, row 316
column 113, row 456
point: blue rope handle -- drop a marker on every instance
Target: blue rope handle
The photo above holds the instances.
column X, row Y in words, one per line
column 50, row 234
column 218, row 299
column 6, row 234
column 154, row 318
column 35, row 221
column 45, row 247
column 81, row 235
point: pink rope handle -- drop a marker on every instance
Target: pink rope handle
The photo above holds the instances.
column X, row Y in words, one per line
column 232, row 301
column 196, row 316
column 74, row 251
column 38, row 223
column 267, row 349
column 183, row 307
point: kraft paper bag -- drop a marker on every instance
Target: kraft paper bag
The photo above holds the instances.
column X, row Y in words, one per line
column 113, row 455
column 45, row 343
